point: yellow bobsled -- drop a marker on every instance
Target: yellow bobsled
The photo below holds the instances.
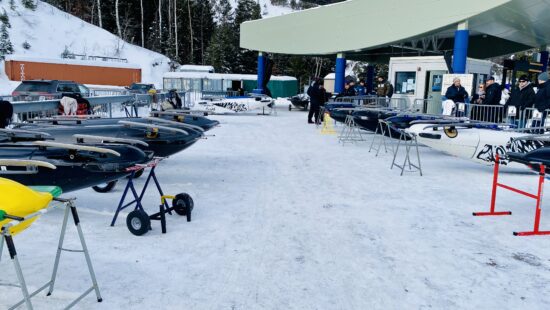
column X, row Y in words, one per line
column 19, row 201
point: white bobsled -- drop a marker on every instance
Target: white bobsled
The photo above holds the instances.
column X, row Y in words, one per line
column 231, row 105
column 478, row 144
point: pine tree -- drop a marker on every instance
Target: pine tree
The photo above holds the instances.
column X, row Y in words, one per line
column 6, row 47
column 12, row 5
column 222, row 49
column 203, row 24
column 29, row 4
column 4, row 19
column 293, row 4
column 246, row 59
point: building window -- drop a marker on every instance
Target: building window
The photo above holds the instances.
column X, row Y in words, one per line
column 405, row 82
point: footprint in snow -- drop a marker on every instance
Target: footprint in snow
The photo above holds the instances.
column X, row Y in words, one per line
column 527, row 258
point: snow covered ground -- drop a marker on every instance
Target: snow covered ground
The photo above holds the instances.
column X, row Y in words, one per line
column 287, row 218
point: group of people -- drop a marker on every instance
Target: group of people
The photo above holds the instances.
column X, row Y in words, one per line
column 383, row 88
column 489, row 93
column 318, row 94
column 522, row 97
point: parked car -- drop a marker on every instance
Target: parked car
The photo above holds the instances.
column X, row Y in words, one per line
column 84, row 91
column 33, row 90
column 140, row 88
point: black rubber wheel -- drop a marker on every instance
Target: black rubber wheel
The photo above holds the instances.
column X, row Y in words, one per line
column 290, row 107
column 138, row 222
column 138, row 173
column 183, row 205
column 105, row 188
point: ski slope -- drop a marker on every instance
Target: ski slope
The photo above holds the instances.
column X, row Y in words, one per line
column 287, row 218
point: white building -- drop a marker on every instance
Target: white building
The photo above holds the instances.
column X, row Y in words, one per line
column 421, row 78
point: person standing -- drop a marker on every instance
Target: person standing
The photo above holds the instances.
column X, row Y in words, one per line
column 493, row 92
column 456, row 92
column 361, row 89
column 317, row 97
column 384, row 88
column 542, row 98
column 522, row 97
column 349, row 90
column 479, row 96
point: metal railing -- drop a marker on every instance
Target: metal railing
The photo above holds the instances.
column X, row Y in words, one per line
column 104, row 106
column 374, row 101
column 486, row 113
column 522, row 118
column 96, row 92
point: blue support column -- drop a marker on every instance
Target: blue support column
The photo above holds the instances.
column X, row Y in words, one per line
column 460, row 52
column 340, row 73
column 370, row 79
column 544, row 60
column 261, row 69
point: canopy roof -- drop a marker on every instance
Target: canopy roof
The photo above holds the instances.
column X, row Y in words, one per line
column 375, row 30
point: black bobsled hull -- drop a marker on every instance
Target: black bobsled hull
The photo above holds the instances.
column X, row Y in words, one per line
column 69, row 178
column 338, row 105
column 76, row 169
column 299, row 101
column 163, row 142
column 340, row 115
column 404, row 121
column 195, row 120
column 532, row 159
column 165, row 148
column 369, row 119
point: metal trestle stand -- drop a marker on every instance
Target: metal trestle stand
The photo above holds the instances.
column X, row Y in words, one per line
column 70, row 207
column 380, row 133
column 410, row 142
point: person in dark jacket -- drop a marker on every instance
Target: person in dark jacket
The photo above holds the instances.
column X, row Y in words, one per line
column 542, row 98
column 349, row 90
column 317, row 97
column 493, row 92
column 384, row 88
column 522, row 97
column 361, row 89
column 456, row 92
column 6, row 113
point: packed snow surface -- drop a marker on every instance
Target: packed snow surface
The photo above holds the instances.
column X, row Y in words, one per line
column 287, row 218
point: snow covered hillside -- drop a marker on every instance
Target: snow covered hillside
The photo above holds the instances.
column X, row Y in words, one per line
column 268, row 9
column 49, row 31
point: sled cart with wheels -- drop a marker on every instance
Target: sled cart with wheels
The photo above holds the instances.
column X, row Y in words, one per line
column 138, row 221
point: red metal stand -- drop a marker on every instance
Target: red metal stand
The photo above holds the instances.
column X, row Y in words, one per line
column 494, row 193
column 537, row 197
column 536, row 231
